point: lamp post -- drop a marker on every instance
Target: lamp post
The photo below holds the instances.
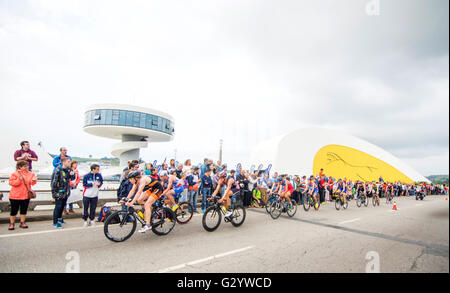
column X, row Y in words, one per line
column 220, row 150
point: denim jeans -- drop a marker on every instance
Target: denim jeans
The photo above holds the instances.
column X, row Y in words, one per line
column 59, row 207
column 183, row 196
column 193, row 199
column 206, row 194
column 70, row 206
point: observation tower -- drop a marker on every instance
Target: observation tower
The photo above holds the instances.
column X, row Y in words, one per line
column 134, row 126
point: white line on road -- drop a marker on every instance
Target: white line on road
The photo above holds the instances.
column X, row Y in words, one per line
column 349, row 221
column 49, row 231
column 177, row 267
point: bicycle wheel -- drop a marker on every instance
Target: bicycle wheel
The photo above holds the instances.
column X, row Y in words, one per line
column 366, row 201
column 211, row 218
column 184, row 212
column 268, row 203
column 317, row 205
column 374, row 201
column 306, row 203
column 337, row 203
column 238, row 216
column 291, row 212
column 345, row 205
column 163, row 220
column 275, row 209
column 358, row 202
column 119, row 226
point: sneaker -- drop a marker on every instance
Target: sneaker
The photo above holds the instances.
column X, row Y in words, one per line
column 92, row 223
column 61, row 220
column 23, row 226
column 203, row 211
column 85, row 224
column 144, row 229
column 65, row 212
column 11, row 227
column 57, row 225
column 71, row 211
column 228, row 214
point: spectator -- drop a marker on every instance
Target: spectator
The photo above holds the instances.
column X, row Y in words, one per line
column 172, row 166
column 321, row 173
column 60, row 185
column 20, row 182
column 193, row 181
column 57, row 161
column 148, row 169
column 218, row 167
column 25, row 153
column 73, row 185
column 92, row 183
column 242, row 178
column 207, row 189
column 179, row 171
column 187, row 167
column 322, row 184
column 125, row 173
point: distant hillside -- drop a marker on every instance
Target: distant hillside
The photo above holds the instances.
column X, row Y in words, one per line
column 438, row 179
column 105, row 160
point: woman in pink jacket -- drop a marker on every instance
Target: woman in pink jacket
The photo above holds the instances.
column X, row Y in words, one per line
column 18, row 196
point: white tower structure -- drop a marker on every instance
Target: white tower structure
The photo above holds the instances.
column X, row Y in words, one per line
column 134, row 126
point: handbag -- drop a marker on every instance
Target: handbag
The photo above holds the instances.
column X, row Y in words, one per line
column 31, row 193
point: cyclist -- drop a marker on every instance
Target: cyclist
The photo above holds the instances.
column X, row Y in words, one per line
column 313, row 189
column 286, row 189
column 174, row 187
column 230, row 188
column 149, row 190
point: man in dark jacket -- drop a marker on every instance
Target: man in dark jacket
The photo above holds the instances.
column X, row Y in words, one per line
column 60, row 184
column 247, row 197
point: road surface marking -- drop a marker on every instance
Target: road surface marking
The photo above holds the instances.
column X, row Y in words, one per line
column 49, row 231
column 349, row 221
column 220, row 255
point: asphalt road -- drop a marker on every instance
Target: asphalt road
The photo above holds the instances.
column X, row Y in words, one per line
column 413, row 239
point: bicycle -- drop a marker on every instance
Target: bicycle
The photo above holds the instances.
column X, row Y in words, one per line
column 270, row 199
column 388, row 197
column 375, row 200
column 184, row 212
column 361, row 199
column 121, row 225
column 214, row 214
column 278, row 207
column 310, row 202
column 340, row 202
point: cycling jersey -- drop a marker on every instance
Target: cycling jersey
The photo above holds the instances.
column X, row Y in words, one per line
column 154, row 188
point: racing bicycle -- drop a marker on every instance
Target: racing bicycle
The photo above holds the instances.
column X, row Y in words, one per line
column 121, row 225
column 280, row 206
column 213, row 215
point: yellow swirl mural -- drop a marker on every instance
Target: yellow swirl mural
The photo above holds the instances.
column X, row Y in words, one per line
column 345, row 162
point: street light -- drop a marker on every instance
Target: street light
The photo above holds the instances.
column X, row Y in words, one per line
column 220, row 150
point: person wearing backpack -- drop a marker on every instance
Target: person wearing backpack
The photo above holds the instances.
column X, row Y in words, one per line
column 60, row 184
column 92, row 183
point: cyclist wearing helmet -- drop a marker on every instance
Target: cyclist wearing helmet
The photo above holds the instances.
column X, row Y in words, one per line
column 149, row 190
column 287, row 188
column 174, row 187
column 231, row 188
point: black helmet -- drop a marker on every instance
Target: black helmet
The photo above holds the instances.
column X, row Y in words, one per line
column 134, row 174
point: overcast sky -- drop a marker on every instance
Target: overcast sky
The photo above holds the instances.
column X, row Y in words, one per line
column 244, row 71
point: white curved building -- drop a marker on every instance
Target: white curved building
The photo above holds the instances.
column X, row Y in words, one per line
column 306, row 151
column 134, row 126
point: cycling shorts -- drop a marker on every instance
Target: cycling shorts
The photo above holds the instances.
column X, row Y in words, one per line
column 155, row 194
column 178, row 190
